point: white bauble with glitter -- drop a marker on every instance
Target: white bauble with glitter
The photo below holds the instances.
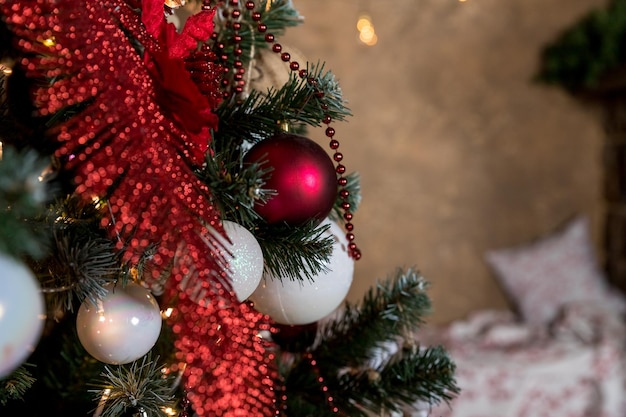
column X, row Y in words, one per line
column 245, row 259
column 22, row 313
column 303, row 302
column 122, row 327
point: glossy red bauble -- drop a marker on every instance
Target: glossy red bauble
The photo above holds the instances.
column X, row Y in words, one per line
column 303, row 176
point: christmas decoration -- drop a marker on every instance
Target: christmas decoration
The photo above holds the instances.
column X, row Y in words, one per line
column 148, row 127
column 22, row 314
column 245, row 259
column 302, row 175
column 122, row 327
column 296, row 302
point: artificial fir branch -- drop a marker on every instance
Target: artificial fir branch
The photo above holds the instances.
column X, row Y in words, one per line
column 418, row 374
column 80, row 270
column 141, row 386
column 63, row 368
column 15, row 385
column 354, row 198
column 296, row 102
column 81, row 260
column 236, row 188
column 23, row 193
column 295, row 253
column 413, row 375
column 392, row 309
column 277, row 15
column 361, row 357
column 586, row 52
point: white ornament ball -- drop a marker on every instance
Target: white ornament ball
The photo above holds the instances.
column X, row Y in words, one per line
column 303, row 302
column 245, row 259
column 122, row 327
column 22, row 313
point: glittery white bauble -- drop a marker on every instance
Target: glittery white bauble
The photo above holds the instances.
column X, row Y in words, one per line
column 304, row 302
column 22, row 313
column 245, row 259
column 122, row 327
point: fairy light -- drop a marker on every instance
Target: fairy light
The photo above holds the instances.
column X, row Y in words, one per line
column 367, row 34
column 170, row 411
column 167, row 313
column 49, row 41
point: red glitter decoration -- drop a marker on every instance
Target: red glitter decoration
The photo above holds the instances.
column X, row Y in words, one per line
column 302, row 175
column 139, row 129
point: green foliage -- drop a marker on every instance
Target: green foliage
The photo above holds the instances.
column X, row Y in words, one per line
column 295, row 253
column 588, row 51
column 22, row 197
column 140, row 387
column 368, row 359
column 280, row 16
column 14, row 386
column 354, row 199
column 296, row 103
column 81, row 259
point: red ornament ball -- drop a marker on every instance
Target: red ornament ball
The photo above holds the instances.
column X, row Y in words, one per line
column 303, row 176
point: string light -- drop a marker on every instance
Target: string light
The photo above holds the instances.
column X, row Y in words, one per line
column 49, row 42
column 367, row 34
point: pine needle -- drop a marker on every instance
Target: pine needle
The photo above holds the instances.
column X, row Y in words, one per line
column 15, row 385
column 141, row 386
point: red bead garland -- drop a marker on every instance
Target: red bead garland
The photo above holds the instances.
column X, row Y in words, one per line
column 323, row 387
column 239, row 84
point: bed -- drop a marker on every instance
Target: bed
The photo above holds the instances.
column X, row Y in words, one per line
column 560, row 353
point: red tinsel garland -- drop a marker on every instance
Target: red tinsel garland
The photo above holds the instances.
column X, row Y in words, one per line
column 141, row 128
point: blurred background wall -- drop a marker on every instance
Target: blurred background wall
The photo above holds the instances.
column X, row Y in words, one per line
column 459, row 151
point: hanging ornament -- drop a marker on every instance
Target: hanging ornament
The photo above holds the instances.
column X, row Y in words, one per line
column 122, row 327
column 303, row 302
column 303, row 176
column 245, row 259
column 22, row 313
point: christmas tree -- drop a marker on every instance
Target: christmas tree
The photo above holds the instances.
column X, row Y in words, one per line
column 172, row 242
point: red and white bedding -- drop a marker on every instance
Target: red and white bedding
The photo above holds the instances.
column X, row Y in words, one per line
column 575, row 367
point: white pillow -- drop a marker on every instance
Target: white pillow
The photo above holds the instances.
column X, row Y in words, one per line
column 546, row 274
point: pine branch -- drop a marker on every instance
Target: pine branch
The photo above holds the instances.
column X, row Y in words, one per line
column 81, row 269
column 586, row 52
column 81, row 260
column 279, row 16
column 419, row 375
column 236, row 188
column 64, row 367
column 297, row 102
column 22, row 198
column 354, row 199
column 362, row 360
column 141, row 386
column 391, row 309
column 295, row 253
column 14, row 386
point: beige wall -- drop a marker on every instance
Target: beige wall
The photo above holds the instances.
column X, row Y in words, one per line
column 458, row 150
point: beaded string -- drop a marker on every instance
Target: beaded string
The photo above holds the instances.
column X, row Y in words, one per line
column 320, row 379
column 234, row 13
